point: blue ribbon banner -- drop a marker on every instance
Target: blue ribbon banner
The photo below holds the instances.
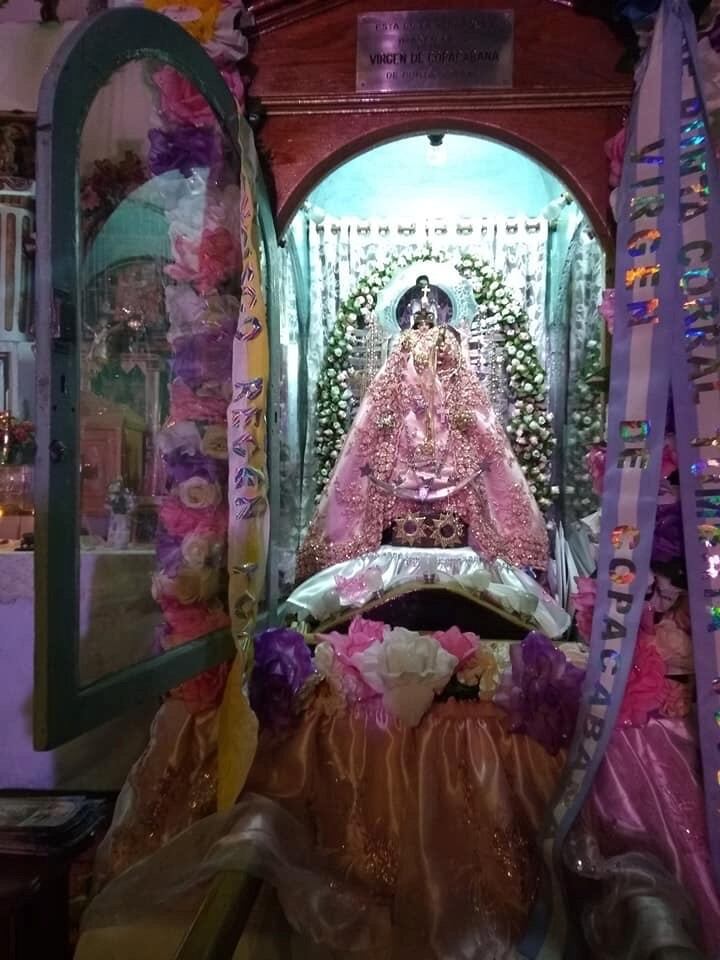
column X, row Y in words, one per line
column 666, row 337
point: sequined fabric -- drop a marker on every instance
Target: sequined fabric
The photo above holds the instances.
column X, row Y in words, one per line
column 426, row 441
column 436, row 822
column 173, row 785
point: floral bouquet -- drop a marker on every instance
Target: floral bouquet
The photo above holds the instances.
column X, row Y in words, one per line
column 17, row 441
column 119, row 499
column 407, row 671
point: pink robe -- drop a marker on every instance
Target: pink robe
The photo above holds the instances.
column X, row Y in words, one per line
column 426, row 442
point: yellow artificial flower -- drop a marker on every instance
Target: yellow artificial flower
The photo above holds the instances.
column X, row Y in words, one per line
column 482, row 669
column 197, row 17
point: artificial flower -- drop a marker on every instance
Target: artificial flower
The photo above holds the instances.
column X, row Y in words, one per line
column 179, row 520
column 188, row 585
column 195, row 549
column 197, row 493
column 183, row 464
column 595, row 460
column 668, row 539
column 196, row 584
column 646, row 688
column 607, row 309
column 190, row 621
column 541, row 692
column 208, row 262
column 460, row 645
column 197, row 17
column 615, row 152
column 408, row 669
column 168, row 552
column 674, row 643
column 669, row 458
column 342, row 678
column 190, row 313
column 180, row 100
column 184, row 148
column 205, row 691
column 361, row 634
column 282, row 666
column 357, row 590
column 205, row 356
column 180, row 437
column 188, row 405
column 583, row 604
column 481, row 669
column 678, row 699
column 228, row 43
column 214, row 441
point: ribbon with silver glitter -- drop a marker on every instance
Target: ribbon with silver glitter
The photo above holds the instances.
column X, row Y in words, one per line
column 666, row 333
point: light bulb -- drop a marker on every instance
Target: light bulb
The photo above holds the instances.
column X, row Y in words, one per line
column 436, row 154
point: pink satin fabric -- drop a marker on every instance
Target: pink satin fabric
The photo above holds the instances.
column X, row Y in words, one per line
column 647, row 798
column 434, row 825
column 425, row 434
column 436, row 822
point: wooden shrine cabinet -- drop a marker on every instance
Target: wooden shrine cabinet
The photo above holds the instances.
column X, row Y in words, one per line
column 566, row 100
column 112, row 444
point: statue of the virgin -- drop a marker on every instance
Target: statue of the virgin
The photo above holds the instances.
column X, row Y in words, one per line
column 426, row 462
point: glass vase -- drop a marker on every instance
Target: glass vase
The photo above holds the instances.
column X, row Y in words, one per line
column 118, row 537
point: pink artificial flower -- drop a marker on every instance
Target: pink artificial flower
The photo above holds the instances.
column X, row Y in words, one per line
column 205, row 691
column 182, row 102
column 187, row 405
column 647, row 686
column 607, row 309
column 179, row 520
column 678, row 699
column 189, row 621
column 595, row 461
column 615, row 152
column 669, row 458
column 583, row 602
column 461, row 645
column 674, row 643
column 361, row 634
column 228, row 44
column 206, row 263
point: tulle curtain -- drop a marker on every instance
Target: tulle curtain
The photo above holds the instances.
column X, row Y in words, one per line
column 342, row 250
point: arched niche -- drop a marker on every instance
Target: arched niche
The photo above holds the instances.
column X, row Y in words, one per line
column 567, row 96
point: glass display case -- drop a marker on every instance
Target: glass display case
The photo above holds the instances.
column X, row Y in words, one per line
column 140, row 283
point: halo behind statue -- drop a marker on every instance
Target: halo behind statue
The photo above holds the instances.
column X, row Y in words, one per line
column 451, row 295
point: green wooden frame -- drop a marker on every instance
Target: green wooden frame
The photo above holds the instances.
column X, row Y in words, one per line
column 84, row 63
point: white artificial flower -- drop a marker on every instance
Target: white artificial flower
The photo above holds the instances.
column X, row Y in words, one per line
column 408, row 669
column 324, row 658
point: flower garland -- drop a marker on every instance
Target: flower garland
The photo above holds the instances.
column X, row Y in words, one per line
column 190, row 584
column 585, row 429
column 529, row 425
column 407, row 671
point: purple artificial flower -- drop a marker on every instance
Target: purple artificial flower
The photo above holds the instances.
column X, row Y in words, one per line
column 168, row 553
column 541, row 692
column 668, row 539
column 182, row 464
column 184, row 148
column 203, row 358
column 282, row 665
